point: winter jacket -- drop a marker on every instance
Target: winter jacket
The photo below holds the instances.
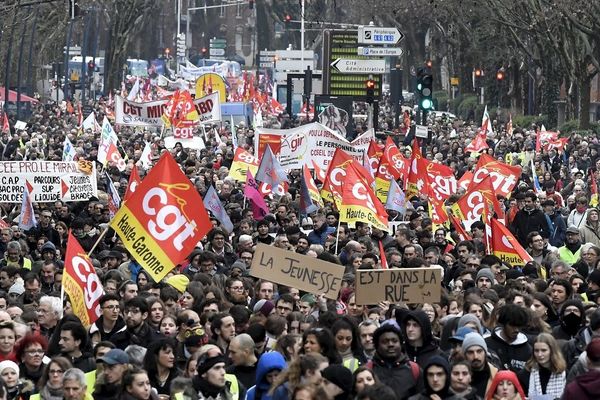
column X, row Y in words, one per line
column 513, row 355
column 268, row 362
column 586, row 386
column 589, row 233
column 98, row 334
column 559, row 230
column 141, row 336
column 398, row 376
column 430, row 348
column 527, row 221
column 318, row 236
column 574, row 347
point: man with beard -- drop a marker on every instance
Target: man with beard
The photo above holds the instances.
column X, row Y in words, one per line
column 570, row 252
column 529, row 219
column 507, row 340
column 72, row 343
column 235, row 291
column 138, row 331
column 475, row 350
column 536, row 247
column 391, row 365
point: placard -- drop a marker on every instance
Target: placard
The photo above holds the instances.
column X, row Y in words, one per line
column 408, row 285
column 296, row 270
column 47, row 181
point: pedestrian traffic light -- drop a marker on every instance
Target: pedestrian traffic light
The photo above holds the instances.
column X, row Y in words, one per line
column 288, row 18
column 500, row 75
column 181, row 47
column 250, row 4
column 91, row 67
column 477, row 77
column 370, row 84
column 204, row 51
column 425, row 88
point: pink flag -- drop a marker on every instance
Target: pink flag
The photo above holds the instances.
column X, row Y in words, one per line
column 259, row 207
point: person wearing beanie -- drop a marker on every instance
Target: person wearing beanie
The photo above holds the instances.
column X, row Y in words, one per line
column 337, row 382
column 210, row 381
column 419, row 342
column 391, row 366
column 436, row 380
column 485, row 279
column 593, row 280
column 571, row 318
column 179, row 282
column 475, row 349
column 505, row 386
column 507, row 340
column 15, row 387
column 587, row 385
column 264, row 307
column 470, row 321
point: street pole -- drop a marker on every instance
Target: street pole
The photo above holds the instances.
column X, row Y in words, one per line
column 30, row 58
column 84, row 51
column 178, row 32
column 8, row 61
column 20, row 65
column 66, row 64
column 302, row 33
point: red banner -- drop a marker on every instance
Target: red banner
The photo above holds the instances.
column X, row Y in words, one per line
column 163, row 220
column 504, row 177
column 81, row 283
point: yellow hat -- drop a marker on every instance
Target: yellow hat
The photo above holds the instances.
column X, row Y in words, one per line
column 179, row 282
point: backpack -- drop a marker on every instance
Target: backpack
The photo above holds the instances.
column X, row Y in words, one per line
column 414, row 369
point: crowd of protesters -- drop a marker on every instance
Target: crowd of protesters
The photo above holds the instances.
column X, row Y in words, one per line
column 209, row 330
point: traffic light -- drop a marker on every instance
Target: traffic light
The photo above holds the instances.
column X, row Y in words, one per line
column 74, row 9
column 288, row 18
column 500, row 75
column 91, row 67
column 425, row 88
column 370, row 84
column 181, row 47
column 204, row 52
column 477, row 77
column 250, row 4
column 167, row 53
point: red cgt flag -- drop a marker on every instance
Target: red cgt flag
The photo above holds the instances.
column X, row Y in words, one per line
column 134, row 181
column 506, row 247
column 504, row 177
column 163, row 220
column 81, row 283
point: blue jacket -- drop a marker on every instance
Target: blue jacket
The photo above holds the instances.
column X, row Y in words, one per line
column 267, row 363
column 320, row 236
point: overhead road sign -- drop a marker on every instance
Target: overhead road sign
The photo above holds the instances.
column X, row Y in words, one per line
column 376, row 35
column 380, row 51
column 346, row 66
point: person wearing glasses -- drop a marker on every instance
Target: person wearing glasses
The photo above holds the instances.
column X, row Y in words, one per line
column 110, row 322
column 30, row 352
column 50, row 382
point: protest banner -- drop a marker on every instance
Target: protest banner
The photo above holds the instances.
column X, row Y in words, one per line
column 407, row 285
column 47, row 181
column 296, row 270
column 81, row 283
column 163, row 220
column 149, row 114
column 311, row 142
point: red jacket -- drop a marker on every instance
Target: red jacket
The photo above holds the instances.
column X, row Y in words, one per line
column 586, row 386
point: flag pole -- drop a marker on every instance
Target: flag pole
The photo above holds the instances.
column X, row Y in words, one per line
column 98, row 240
column 337, row 236
column 62, row 299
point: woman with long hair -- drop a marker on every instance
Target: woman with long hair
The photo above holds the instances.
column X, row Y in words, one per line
column 157, row 312
column 347, row 343
column 363, row 377
column 50, row 384
column 289, row 346
column 136, row 386
column 545, row 372
column 305, row 370
column 320, row 340
column 159, row 362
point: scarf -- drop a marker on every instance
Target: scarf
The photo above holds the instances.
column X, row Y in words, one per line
column 48, row 393
column 208, row 390
column 554, row 389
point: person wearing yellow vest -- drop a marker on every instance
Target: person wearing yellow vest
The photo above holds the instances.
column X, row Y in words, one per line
column 212, row 381
column 570, row 252
column 13, row 257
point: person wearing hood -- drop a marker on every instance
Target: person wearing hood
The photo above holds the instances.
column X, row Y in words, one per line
column 505, row 386
column 507, row 340
column 572, row 319
column 590, row 231
column 269, row 366
column 436, row 380
column 419, row 342
column 587, row 385
column 529, row 219
column 391, row 365
column 193, row 265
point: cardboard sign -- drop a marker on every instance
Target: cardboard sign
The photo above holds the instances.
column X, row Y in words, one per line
column 408, row 285
column 47, row 181
column 297, row 270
